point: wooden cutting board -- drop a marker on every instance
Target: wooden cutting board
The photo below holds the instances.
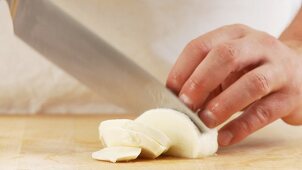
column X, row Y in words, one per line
column 66, row 142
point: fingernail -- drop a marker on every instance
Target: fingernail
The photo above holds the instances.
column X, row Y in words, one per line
column 225, row 138
column 208, row 118
column 185, row 99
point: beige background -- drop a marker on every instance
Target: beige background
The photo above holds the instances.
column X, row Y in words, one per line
column 152, row 33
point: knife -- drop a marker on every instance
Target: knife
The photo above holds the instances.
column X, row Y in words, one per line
column 85, row 56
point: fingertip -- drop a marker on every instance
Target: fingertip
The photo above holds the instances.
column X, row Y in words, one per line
column 225, row 138
column 208, row 118
column 185, row 99
column 174, row 83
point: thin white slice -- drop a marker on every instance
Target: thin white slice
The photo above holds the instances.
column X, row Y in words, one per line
column 153, row 133
column 116, row 136
column 115, row 154
column 187, row 140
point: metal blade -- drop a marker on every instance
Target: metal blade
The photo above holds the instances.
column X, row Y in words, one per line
column 89, row 59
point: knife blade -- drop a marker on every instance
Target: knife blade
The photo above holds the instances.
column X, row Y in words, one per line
column 89, row 59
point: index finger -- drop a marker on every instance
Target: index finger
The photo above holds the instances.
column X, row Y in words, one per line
column 196, row 51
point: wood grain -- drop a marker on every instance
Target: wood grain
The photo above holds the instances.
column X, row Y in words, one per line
column 66, row 142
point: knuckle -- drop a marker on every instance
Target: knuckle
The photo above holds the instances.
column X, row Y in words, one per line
column 260, row 116
column 226, row 53
column 240, row 29
column 192, row 44
column 268, row 40
column 260, row 82
column 245, row 126
column 195, row 83
column 263, row 115
column 198, row 44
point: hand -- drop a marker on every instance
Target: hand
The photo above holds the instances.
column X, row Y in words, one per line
column 237, row 68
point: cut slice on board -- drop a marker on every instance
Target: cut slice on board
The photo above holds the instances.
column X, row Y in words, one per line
column 118, row 153
column 117, row 136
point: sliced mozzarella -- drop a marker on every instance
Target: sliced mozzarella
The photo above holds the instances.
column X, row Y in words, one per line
column 116, row 136
column 153, row 133
column 118, row 153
